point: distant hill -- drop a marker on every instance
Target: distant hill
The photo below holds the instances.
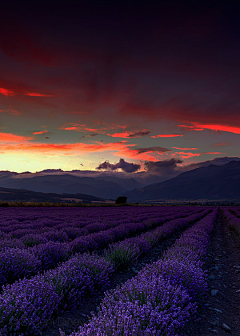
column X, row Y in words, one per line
column 107, row 187
column 104, row 184
column 21, row 195
column 206, row 183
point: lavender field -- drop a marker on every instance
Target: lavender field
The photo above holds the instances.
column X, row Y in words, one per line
column 53, row 259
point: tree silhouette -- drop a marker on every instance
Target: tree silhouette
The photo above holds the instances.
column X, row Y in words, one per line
column 121, row 200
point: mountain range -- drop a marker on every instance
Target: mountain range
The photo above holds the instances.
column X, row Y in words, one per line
column 22, row 195
column 217, row 179
column 108, row 187
column 205, row 183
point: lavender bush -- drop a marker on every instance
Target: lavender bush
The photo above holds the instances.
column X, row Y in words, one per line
column 7, row 242
column 33, row 239
column 147, row 306
column 122, row 254
column 51, row 253
column 26, row 306
column 162, row 297
column 56, row 236
column 17, row 263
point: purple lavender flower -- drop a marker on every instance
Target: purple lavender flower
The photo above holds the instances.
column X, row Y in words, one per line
column 51, row 253
column 17, row 263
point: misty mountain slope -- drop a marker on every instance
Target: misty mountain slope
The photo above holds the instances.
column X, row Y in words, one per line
column 126, row 183
column 22, row 195
column 66, row 183
column 212, row 182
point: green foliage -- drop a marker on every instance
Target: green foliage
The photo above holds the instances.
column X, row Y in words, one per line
column 121, row 256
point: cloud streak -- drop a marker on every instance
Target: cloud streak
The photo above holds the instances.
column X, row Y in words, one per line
column 151, row 149
column 130, row 135
column 9, row 137
column 40, row 132
column 6, row 92
column 213, row 127
column 89, row 135
column 166, row 135
column 139, row 134
column 222, row 144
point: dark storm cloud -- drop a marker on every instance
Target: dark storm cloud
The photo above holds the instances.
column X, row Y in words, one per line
column 139, row 134
column 152, row 149
column 162, row 167
column 122, row 164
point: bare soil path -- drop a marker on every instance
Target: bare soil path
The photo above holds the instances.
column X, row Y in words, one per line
column 222, row 307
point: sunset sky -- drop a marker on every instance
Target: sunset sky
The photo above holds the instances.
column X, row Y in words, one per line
column 93, row 81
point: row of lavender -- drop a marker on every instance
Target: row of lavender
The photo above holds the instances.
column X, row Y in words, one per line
column 124, row 252
column 16, row 262
column 27, row 305
column 233, row 221
column 44, row 232
column 50, row 219
column 163, row 296
column 235, row 210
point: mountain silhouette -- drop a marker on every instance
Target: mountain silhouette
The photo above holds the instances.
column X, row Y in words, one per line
column 22, row 195
column 107, row 187
column 205, row 183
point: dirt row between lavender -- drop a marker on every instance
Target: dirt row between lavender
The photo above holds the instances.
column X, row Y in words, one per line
column 221, row 310
column 69, row 322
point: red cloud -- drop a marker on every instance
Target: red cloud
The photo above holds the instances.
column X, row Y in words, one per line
column 6, row 92
column 134, row 154
column 90, row 129
column 145, row 154
column 222, row 144
column 185, row 148
column 11, row 111
column 166, row 135
column 189, row 154
column 9, row 137
column 71, row 128
column 212, row 153
column 76, row 147
column 120, row 135
column 36, row 94
column 40, row 132
column 192, row 128
column 81, row 128
column 213, row 127
column 127, row 134
column 9, row 89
